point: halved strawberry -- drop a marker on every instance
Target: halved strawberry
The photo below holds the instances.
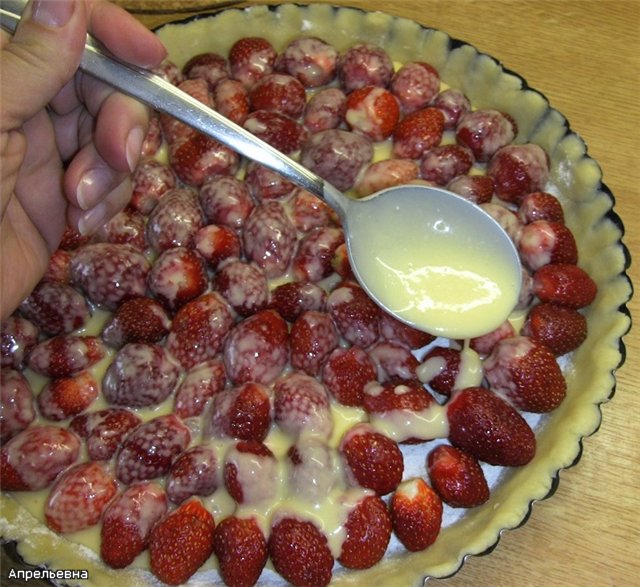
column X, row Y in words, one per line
column 564, row 284
column 181, row 542
column 559, row 328
column 416, row 514
column 457, row 477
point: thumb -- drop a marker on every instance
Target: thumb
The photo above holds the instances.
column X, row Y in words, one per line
column 41, row 58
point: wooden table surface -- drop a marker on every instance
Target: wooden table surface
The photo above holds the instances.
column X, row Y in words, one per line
column 584, row 55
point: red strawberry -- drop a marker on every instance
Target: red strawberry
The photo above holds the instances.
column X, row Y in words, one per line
column 559, row 328
column 341, row 265
column 540, row 206
column 443, row 163
column 266, row 184
column 68, row 396
column 140, row 375
column 564, row 284
column 393, row 330
column 453, row 104
column 301, row 404
column 312, row 261
column 241, row 550
column 71, row 240
column 526, row 374
column 313, row 336
column 483, row 345
column 210, row 67
column 368, row 530
column 151, row 180
column 16, row 399
column 58, row 268
column 416, row 514
column 300, row 553
column 127, row 227
column 364, row 64
column 150, row 450
column 65, row 355
column 178, row 276
column 310, row 59
column 104, row 430
column 355, row 314
column 195, row 472
column 281, row 132
column 415, row 85
column 243, row 412
column 137, row 320
column 310, row 212
column 181, row 542
column 250, row 472
column 216, row 243
column 200, row 384
column 243, row 285
column 293, row 298
column 251, row 58
column 346, row 372
column 232, row 100
column 457, row 477
column 487, row 427
column 153, row 139
column 199, row 329
column 257, row 349
column 542, row 242
column 484, row 131
column 372, row 111
column 477, row 188
column 439, row 369
column 127, row 523
column 226, row 201
column 393, row 360
column 409, row 395
column 109, row 273
column 79, row 497
column 33, row 458
column 373, row 460
column 314, row 469
column 418, row 132
column 386, row 173
column 55, row 308
column 173, row 129
column 280, row 93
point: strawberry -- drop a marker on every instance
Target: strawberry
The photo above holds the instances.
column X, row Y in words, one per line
column 178, row 276
column 293, row 298
column 540, row 206
column 301, row 404
column 243, row 285
column 127, row 227
column 68, row 396
column 140, row 375
column 257, row 349
column 65, row 355
column 18, row 336
column 409, row 395
column 127, row 523
column 153, row 139
column 197, row 157
column 72, row 240
column 372, row 111
column 415, row 85
column 518, row 170
column 311, row 60
column 181, row 542
column 564, row 284
column 365, row 64
column 151, row 181
column 250, row 472
column 16, row 399
column 355, row 314
column 325, row 109
column 150, row 450
column 137, row 320
column 386, row 173
column 198, row 329
column 457, row 477
column 477, row 188
column 280, row 93
column 416, row 514
column 368, row 531
column 559, row 328
column 543, row 242
column 266, row 184
column 241, row 550
column 109, row 273
column 372, row 460
column 443, row 163
column 232, row 100
column 194, row 472
column 55, row 308
column 215, row 243
column 278, row 130
column 200, row 384
column 394, row 330
column 439, row 369
column 346, row 373
column 490, row 429
column 314, row 471
column 176, row 131
column 104, row 430
column 526, row 374
column 251, row 58
column 300, row 552
column 418, row 132
column 226, row 201
column 210, row 67
column 243, row 412
column 79, row 497
column 483, row 345
column 453, row 104
column 341, row 265
column 310, row 212
column 393, row 360
column 313, row 337
column 484, row 131
column 58, row 267
column 34, row 457
column 312, row 261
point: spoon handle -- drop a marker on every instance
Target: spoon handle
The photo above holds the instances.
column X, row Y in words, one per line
column 160, row 95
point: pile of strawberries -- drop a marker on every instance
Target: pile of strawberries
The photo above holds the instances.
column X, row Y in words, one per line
column 230, row 299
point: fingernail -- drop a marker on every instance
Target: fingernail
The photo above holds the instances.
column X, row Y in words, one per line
column 52, row 13
column 134, row 146
column 93, row 219
column 91, row 187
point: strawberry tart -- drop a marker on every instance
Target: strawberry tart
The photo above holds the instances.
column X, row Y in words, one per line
column 201, row 393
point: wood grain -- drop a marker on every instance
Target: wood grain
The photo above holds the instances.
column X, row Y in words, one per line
column 584, row 55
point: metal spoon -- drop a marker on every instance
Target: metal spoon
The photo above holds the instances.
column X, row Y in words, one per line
column 431, row 258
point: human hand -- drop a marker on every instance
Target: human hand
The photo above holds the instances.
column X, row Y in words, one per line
column 69, row 142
